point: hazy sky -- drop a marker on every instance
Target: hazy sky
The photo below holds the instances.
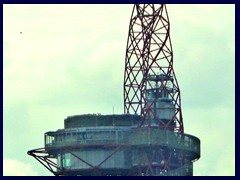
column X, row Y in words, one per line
column 69, row 59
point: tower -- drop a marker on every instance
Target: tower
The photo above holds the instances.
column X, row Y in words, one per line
column 150, row 85
column 151, row 90
column 148, row 139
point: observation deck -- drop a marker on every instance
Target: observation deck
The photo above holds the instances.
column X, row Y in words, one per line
column 115, row 145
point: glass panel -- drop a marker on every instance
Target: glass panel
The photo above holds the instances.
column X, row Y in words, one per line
column 67, row 160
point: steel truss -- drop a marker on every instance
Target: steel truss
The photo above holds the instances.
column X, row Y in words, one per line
column 158, row 146
column 149, row 53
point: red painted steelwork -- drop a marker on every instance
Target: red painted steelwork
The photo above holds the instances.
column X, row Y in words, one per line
column 149, row 53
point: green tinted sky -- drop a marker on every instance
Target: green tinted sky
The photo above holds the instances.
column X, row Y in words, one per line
column 69, row 59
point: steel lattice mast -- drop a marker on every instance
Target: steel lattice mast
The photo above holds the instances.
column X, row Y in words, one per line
column 149, row 74
column 148, row 140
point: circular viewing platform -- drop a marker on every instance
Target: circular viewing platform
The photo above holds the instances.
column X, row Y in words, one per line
column 116, row 144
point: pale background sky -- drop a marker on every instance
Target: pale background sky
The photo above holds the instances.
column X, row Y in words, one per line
column 69, row 60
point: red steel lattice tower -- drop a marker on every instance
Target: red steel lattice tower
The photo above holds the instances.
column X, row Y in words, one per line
column 148, row 139
column 150, row 84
